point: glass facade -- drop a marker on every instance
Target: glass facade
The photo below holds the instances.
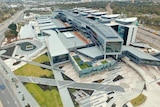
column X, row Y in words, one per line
column 60, row 58
column 112, row 47
column 115, row 28
column 123, row 32
column 93, row 69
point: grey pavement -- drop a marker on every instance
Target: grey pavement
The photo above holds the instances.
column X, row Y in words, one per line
column 28, row 61
column 7, row 95
column 123, row 98
column 65, row 96
column 71, row 84
column 20, row 90
column 64, row 93
column 149, row 38
column 58, row 76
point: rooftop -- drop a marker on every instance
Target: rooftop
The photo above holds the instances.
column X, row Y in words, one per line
column 54, row 44
column 111, row 16
column 27, row 31
column 71, row 42
column 47, row 27
column 106, row 32
column 139, row 53
column 46, row 24
column 47, row 20
column 127, row 20
column 91, row 52
column 99, row 13
column 91, row 11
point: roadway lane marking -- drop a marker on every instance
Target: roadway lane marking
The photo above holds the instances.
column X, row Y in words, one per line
column 30, row 79
column 8, row 102
column 8, row 90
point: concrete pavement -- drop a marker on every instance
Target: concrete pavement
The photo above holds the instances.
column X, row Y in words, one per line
column 7, row 95
column 71, row 84
column 149, row 38
column 20, row 91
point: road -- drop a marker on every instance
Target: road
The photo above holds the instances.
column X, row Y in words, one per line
column 20, row 91
column 15, row 18
column 149, row 38
column 7, row 96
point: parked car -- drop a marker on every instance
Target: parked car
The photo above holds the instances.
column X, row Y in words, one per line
column 2, row 86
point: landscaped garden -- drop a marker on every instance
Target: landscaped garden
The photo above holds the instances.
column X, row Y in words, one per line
column 35, row 71
column 104, row 62
column 80, row 62
column 46, row 96
column 138, row 100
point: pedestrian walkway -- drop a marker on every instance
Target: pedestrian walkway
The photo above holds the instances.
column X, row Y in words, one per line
column 140, row 71
column 123, row 98
column 71, row 84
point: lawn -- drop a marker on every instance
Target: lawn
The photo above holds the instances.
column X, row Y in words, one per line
column 48, row 98
column 82, row 64
column 138, row 100
column 104, row 62
column 42, row 58
column 35, row 71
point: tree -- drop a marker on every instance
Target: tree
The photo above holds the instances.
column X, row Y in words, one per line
column 13, row 26
column 27, row 105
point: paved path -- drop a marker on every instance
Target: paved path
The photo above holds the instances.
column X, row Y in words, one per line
column 122, row 98
column 70, row 84
column 65, row 96
column 64, row 93
column 28, row 61
column 139, row 70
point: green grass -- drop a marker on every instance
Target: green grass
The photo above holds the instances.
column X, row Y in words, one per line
column 42, row 58
column 138, row 100
column 82, row 66
column 35, row 71
column 45, row 98
column 153, row 27
column 104, row 62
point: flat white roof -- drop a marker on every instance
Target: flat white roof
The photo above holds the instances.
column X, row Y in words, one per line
column 112, row 24
column 46, row 24
column 55, row 46
column 47, row 27
column 68, row 35
column 91, row 11
column 110, row 16
column 44, row 21
column 132, row 19
column 27, row 31
column 99, row 13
